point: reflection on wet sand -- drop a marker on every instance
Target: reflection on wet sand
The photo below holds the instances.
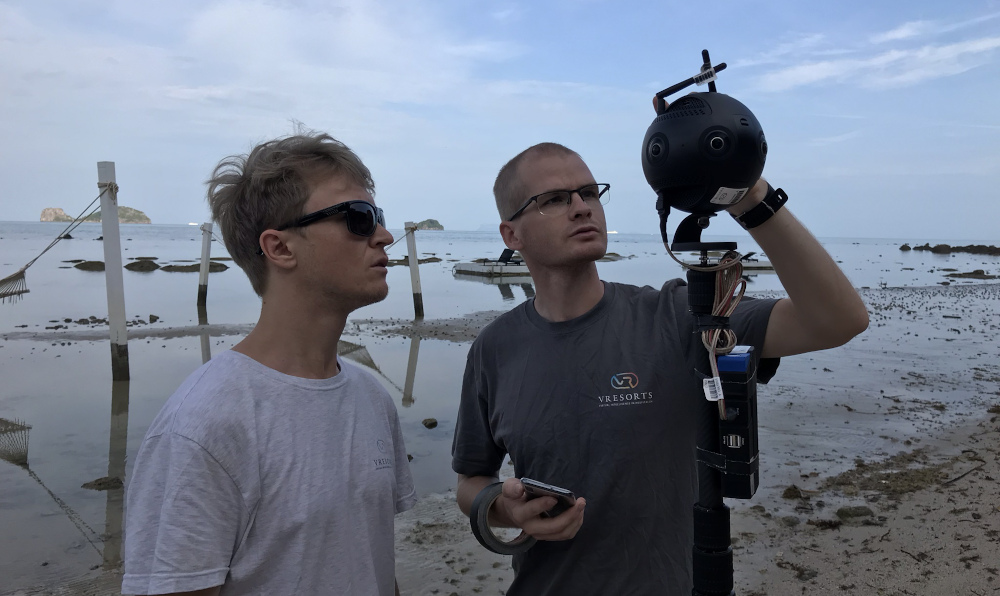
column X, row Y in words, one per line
column 358, row 353
column 117, row 443
column 14, row 435
column 411, row 371
column 504, row 283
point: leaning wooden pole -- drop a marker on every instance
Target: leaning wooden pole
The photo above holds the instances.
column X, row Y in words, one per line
column 113, row 269
column 411, row 246
column 206, row 256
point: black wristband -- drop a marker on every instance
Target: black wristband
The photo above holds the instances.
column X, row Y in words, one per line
column 761, row 212
column 479, row 518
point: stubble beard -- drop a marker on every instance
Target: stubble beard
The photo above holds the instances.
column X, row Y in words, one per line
column 366, row 298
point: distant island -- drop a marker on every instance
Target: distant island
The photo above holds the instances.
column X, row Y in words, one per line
column 125, row 215
column 430, row 224
column 944, row 249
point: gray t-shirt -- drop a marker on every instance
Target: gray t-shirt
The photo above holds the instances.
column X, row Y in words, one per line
column 268, row 484
column 604, row 405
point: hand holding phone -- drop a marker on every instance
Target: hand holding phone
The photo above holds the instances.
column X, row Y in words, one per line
column 564, row 498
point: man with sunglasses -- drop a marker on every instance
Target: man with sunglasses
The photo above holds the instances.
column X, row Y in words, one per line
column 277, row 467
column 589, row 386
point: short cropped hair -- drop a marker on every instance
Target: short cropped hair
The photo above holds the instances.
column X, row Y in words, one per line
column 509, row 190
column 269, row 187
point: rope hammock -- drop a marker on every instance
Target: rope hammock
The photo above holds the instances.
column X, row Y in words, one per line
column 14, row 285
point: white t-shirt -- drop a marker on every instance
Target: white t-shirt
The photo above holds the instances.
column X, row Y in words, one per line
column 267, row 483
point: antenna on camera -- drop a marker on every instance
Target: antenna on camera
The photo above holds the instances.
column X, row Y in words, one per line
column 707, row 75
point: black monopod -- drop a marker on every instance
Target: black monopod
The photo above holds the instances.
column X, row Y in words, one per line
column 702, row 153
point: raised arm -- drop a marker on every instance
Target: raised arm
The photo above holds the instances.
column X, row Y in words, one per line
column 823, row 310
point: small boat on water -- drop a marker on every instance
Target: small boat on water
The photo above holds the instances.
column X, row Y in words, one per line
column 750, row 263
column 506, row 265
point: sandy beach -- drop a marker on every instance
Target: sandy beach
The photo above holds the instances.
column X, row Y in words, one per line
column 918, row 394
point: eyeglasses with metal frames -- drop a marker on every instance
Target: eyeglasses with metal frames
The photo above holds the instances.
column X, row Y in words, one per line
column 556, row 202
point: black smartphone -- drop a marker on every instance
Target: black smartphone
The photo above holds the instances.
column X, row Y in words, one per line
column 564, row 498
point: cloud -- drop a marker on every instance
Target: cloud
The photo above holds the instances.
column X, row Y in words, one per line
column 506, row 14
column 889, row 69
column 826, row 141
column 928, row 28
column 793, row 48
column 904, row 31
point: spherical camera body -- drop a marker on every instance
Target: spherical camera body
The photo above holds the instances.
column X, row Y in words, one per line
column 703, row 153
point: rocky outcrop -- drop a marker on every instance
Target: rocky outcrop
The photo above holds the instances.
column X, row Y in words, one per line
column 54, row 214
column 944, row 249
column 430, row 224
column 125, row 215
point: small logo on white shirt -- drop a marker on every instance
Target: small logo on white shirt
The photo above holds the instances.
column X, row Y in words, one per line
column 381, row 463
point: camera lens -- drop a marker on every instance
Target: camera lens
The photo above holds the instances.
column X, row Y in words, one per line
column 657, row 149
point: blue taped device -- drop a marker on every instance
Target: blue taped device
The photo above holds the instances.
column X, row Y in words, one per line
column 738, row 363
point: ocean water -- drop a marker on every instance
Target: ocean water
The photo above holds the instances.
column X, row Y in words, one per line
column 84, row 427
column 57, row 290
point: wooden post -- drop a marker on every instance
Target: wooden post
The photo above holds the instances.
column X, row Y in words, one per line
column 113, row 270
column 411, row 247
column 206, row 255
column 411, row 370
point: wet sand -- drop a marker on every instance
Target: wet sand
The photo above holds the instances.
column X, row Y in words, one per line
column 879, row 464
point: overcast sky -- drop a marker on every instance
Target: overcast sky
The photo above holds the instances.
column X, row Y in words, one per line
column 882, row 118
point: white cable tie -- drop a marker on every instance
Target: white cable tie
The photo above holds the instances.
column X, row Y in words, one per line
column 713, row 388
column 705, row 76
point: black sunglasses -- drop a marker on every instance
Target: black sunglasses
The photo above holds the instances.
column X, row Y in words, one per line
column 363, row 218
column 556, row 201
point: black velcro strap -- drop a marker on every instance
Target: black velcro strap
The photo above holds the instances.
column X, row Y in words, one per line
column 479, row 518
column 761, row 212
column 711, row 459
column 709, row 322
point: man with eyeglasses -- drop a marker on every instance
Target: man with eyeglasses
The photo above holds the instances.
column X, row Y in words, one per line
column 277, row 467
column 590, row 385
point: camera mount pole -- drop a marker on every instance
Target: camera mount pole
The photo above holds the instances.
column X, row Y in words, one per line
column 712, row 552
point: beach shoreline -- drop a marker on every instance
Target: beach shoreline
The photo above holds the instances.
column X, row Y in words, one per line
column 918, row 395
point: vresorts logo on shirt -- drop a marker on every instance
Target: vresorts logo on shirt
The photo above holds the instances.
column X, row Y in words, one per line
column 382, row 463
column 623, row 382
